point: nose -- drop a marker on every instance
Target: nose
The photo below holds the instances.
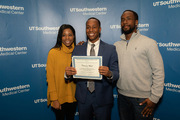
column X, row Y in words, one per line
column 67, row 37
column 91, row 29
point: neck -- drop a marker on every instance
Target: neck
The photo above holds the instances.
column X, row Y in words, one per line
column 128, row 36
column 69, row 47
column 93, row 41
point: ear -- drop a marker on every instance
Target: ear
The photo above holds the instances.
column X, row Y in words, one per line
column 136, row 22
column 100, row 30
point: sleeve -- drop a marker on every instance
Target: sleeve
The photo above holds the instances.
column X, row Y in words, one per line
column 70, row 78
column 157, row 66
column 51, row 77
column 114, row 68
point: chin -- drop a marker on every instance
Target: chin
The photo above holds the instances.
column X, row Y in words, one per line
column 91, row 39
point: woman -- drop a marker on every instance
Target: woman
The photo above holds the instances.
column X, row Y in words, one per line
column 61, row 94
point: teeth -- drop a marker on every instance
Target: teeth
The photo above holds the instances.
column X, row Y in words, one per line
column 91, row 34
column 67, row 41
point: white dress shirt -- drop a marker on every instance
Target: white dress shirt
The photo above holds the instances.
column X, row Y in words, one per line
column 96, row 47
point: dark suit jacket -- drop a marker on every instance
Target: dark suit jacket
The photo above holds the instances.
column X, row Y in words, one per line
column 104, row 87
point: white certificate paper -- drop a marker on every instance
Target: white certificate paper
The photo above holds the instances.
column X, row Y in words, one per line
column 87, row 67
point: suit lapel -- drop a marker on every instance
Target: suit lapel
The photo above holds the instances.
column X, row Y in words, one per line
column 101, row 48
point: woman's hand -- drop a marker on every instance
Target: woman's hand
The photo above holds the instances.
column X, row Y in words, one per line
column 56, row 105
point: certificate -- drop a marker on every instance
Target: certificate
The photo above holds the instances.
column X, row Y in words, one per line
column 87, row 67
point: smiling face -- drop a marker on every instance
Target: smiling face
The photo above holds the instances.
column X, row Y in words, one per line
column 67, row 37
column 93, row 30
column 128, row 23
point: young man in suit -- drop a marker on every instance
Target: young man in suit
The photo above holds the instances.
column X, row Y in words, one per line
column 99, row 102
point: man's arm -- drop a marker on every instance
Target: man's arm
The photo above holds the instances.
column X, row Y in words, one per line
column 157, row 66
column 156, row 63
column 111, row 71
column 113, row 65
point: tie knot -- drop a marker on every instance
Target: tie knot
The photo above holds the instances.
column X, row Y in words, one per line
column 92, row 45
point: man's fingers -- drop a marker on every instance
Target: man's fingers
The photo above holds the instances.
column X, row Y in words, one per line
column 147, row 111
column 70, row 71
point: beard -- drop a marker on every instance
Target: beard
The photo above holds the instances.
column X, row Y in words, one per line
column 128, row 31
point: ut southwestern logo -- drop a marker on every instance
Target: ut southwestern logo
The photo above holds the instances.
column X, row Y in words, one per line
column 40, row 100
column 141, row 26
column 90, row 11
column 38, row 65
column 169, row 3
column 10, row 51
column 46, row 29
column 15, row 90
column 171, row 46
column 6, row 9
column 172, row 87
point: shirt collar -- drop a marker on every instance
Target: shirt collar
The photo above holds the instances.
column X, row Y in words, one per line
column 133, row 35
column 96, row 43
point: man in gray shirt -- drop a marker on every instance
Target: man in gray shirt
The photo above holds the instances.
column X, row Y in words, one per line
column 141, row 69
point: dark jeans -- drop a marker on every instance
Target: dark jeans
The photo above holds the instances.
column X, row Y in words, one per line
column 67, row 111
column 129, row 108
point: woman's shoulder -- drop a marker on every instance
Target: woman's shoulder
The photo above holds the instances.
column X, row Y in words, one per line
column 54, row 50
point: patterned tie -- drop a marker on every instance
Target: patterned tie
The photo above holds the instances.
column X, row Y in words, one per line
column 91, row 86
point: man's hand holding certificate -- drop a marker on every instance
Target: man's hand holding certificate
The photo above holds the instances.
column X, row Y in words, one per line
column 88, row 67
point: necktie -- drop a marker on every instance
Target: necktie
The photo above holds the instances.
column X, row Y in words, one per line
column 91, row 86
column 92, row 52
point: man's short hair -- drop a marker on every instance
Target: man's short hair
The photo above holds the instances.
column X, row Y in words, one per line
column 135, row 14
column 95, row 19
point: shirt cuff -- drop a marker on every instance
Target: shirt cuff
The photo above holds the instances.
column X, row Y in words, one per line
column 66, row 77
column 154, row 98
column 110, row 78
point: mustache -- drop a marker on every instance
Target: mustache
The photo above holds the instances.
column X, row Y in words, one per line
column 126, row 25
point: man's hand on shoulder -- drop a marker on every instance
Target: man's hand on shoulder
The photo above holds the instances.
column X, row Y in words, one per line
column 81, row 43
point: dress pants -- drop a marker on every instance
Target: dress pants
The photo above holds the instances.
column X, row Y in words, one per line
column 90, row 110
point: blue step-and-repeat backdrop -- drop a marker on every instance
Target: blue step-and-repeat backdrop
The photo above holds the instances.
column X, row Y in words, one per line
column 28, row 29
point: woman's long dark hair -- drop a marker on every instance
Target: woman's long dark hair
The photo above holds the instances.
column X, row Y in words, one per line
column 60, row 32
